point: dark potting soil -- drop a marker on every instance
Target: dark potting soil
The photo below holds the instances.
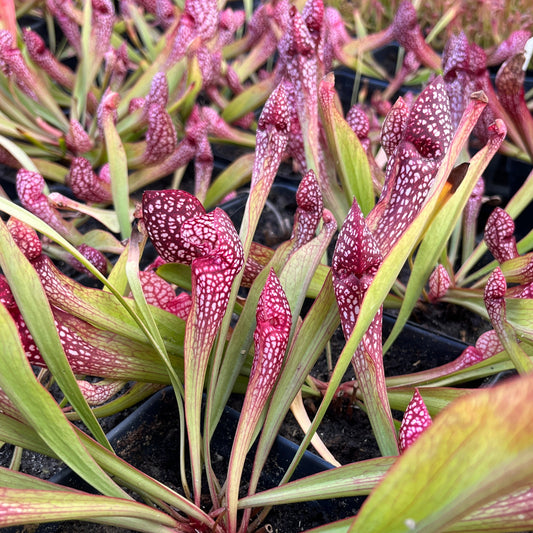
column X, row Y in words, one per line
column 345, row 431
column 153, row 448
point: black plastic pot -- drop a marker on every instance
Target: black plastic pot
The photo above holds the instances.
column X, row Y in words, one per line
column 7, row 180
column 386, row 57
column 148, row 439
column 344, row 84
column 427, row 348
column 276, row 221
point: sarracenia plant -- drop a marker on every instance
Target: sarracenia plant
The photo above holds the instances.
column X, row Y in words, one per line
column 108, row 104
column 216, row 312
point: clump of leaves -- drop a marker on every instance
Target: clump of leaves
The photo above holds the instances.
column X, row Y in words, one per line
column 110, row 105
column 485, row 22
column 217, row 313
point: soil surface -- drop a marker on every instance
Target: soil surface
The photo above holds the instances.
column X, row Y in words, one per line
column 345, row 431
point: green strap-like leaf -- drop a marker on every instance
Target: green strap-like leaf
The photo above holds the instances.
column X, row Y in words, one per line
column 118, row 169
column 24, row 506
column 144, row 31
column 236, row 175
column 100, row 308
column 356, row 479
column 17, row 480
column 505, row 515
column 86, row 67
column 19, row 434
column 350, row 159
column 153, row 333
column 435, row 398
column 510, row 513
column 177, row 274
column 477, row 450
column 194, row 82
column 520, row 316
column 249, row 100
column 117, row 277
column 17, row 153
column 33, row 304
column 236, row 353
column 38, row 407
column 22, row 435
column 142, row 84
column 442, row 377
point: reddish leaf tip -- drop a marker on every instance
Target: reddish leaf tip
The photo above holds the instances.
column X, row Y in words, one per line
column 354, row 264
column 496, row 286
column 499, row 235
column 271, row 336
column 439, row 283
column 25, row 237
column 415, row 421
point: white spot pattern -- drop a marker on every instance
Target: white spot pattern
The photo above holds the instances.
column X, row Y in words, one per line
column 205, row 15
column 394, row 126
column 309, row 211
column 99, row 392
column 272, row 135
column 415, row 421
column 271, row 336
column 163, row 214
column 86, row 184
column 499, row 235
column 25, row 237
column 158, row 91
column 161, row 137
column 493, row 298
column 13, row 65
column 489, row 344
column 354, row 263
column 30, row 192
column 77, row 139
column 418, row 143
column 439, row 283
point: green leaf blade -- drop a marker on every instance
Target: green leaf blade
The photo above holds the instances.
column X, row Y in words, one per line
column 35, row 308
column 488, row 430
column 118, row 168
column 350, row 158
column 23, row 506
column 42, row 412
column 349, row 480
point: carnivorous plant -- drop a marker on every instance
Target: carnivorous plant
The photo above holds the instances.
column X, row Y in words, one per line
column 213, row 312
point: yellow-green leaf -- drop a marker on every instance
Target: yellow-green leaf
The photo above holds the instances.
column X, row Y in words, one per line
column 24, row 506
column 477, row 450
column 355, row 479
column 40, row 410
column 350, row 158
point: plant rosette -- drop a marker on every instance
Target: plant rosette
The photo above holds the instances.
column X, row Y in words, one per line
column 218, row 313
